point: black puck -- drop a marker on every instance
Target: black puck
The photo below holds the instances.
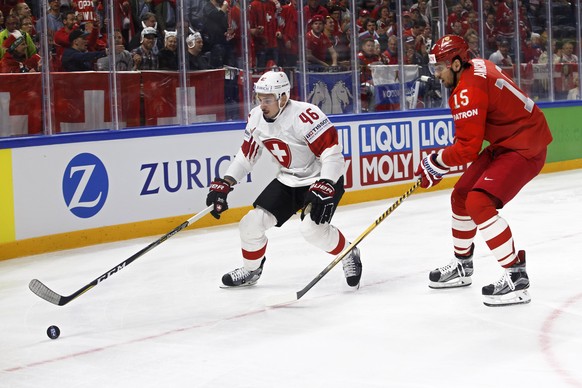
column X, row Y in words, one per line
column 53, row 332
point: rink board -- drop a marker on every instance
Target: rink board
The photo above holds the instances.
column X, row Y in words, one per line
column 70, row 190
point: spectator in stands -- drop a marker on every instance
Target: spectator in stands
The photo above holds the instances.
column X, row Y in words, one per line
column 407, row 23
column 54, row 20
column 369, row 30
column 168, row 56
column 12, row 25
column 454, row 16
column 504, row 21
column 390, row 56
column 318, row 46
column 501, row 56
column 61, row 37
column 330, row 31
column 215, row 31
column 567, row 54
column 490, row 34
column 263, row 28
column 148, row 20
column 367, row 56
column 313, row 8
column 556, row 50
column 289, row 33
column 22, row 10
column 423, row 11
column 196, row 60
column 123, row 58
column 165, row 11
column 27, row 25
column 531, row 53
column 411, row 55
column 1, row 21
column 457, row 29
column 98, row 38
column 139, row 9
column 15, row 59
column 341, row 23
column 76, row 57
column 574, row 93
column 363, row 17
column 473, row 41
column 144, row 57
column 235, row 33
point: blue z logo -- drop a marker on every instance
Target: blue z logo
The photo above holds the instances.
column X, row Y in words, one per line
column 85, row 185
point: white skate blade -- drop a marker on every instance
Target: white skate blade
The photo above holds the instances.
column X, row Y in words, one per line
column 509, row 299
column 224, row 287
column 281, row 299
column 455, row 283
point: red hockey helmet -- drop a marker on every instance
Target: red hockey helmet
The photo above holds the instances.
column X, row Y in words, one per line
column 446, row 49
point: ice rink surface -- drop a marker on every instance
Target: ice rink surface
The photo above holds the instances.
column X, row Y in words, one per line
column 164, row 322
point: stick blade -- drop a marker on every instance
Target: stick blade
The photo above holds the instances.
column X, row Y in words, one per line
column 281, row 299
column 37, row 287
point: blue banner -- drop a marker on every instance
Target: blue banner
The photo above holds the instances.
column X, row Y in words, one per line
column 331, row 92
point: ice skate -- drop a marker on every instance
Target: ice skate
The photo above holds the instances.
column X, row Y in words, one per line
column 353, row 267
column 511, row 288
column 242, row 277
column 455, row 274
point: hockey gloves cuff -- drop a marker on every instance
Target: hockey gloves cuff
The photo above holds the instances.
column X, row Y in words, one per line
column 219, row 189
column 319, row 198
column 430, row 171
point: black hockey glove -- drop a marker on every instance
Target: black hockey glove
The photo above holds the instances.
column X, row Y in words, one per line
column 219, row 189
column 319, row 198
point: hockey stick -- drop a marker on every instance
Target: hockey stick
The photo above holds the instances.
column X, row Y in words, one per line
column 288, row 298
column 49, row 295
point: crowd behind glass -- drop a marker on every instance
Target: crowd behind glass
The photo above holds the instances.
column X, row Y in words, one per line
column 536, row 42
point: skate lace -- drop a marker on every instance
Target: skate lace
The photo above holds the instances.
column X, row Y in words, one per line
column 452, row 266
column 506, row 278
column 349, row 267
column 239, row 274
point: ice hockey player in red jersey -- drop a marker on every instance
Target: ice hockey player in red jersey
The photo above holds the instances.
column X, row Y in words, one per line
column 486, row 105
column 304, row 143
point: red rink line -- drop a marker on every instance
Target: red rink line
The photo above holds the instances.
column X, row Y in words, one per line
column 142, row 339
column 546, row 341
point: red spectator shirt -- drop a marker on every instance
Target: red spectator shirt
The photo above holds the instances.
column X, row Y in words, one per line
column 264, row 13
column 290, row 29
column 487, row 105
column 319, row 45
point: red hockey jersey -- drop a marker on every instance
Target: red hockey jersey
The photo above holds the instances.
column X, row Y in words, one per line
column 487, row 105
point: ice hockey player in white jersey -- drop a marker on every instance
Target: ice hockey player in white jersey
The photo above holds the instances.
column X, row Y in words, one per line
column 304, row 142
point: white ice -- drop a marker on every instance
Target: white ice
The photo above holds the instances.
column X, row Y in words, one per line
column 164, row 322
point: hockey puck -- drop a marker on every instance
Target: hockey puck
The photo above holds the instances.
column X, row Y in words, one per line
column 53, row 332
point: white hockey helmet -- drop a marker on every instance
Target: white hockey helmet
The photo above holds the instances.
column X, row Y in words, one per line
column 273, row 82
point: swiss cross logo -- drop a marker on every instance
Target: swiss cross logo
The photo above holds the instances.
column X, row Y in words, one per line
column 279, row 150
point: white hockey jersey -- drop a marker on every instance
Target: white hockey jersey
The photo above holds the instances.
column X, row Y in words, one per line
column 302, row 140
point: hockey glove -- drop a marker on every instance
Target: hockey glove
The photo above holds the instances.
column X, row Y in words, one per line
column 319, row 198
column 430, row 171
column 219, row 189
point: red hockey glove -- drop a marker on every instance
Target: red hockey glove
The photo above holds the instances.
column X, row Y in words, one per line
column 320, row 198
column 430, row 171
column 219, row 189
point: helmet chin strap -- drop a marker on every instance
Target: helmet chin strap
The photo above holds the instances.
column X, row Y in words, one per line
column 280, row 109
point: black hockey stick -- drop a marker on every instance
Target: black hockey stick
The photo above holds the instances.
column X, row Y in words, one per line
column 288, row 298
column 47, row 294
